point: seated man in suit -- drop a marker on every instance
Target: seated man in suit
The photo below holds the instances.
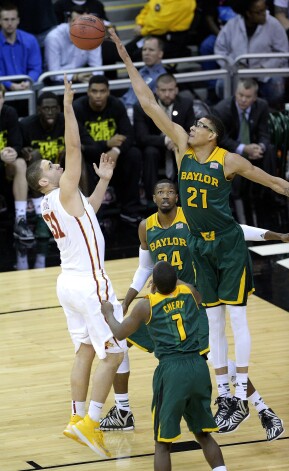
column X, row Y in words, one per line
column 245, row 118
column 156, row 146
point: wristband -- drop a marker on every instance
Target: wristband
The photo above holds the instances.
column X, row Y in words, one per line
column 116, row 149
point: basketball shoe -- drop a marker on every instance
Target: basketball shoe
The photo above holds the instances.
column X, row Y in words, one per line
column 237, row 412
column 117, row 419
column 272, row 424
column 223, row 406
column 69, row 432
column 88, row 432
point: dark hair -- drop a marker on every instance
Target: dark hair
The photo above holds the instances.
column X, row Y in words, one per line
column 34, row 174
column 8, row 6
column 248, row 83
column 161, row 43
column 218, row 126
column 242, row 6
column 98, row 79
column 166, row 78
column 164, row 277
column 77, row 9
column 46, row 95
column 168, row 182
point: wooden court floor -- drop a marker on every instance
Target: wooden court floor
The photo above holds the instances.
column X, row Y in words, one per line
column 36, row 356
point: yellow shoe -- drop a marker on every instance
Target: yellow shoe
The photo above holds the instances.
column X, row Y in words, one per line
column 69, row 432
column 89, row 433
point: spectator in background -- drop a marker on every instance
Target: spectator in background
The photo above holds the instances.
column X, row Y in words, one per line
column 216, row 14
column 282, row 13
column 168, row 20
column 15, row 166
column 20, row 45
column 254, row 30
column 62, row 54
column 152, row 54
column 107, row 122
column 37, row 18
column 245, row 118
column 63, row 9
column 157, row 147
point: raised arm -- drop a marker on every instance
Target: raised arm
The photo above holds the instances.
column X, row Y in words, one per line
column 104, row 171
column 143, row 271
column 259, row 235
column 237, row 165
column 148, row 101
column 69, row 193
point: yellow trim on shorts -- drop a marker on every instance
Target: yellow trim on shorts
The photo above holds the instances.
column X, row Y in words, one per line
column 137, row 345
column 206, row 350
column 240, row 298
column 217, row 303
column 167, row 440
column 210, row 429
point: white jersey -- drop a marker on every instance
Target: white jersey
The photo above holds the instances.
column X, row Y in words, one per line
column 79, row 239
column 83, row 283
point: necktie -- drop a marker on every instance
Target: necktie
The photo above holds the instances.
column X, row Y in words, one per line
column 244, row 130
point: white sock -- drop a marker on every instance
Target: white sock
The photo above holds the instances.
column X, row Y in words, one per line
column 122, row 401
column 22, row 262
column 223, row 385
column 20, row 210
column 94, row 411
column 78, row 408
column 220, row 468
column 40, row 261
column 241, row 385
column 37, row 204
column 257, row 401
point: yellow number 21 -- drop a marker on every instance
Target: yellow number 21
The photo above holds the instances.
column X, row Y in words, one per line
column 194, row 192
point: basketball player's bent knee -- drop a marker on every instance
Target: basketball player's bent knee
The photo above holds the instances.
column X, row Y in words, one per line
column 114, row 359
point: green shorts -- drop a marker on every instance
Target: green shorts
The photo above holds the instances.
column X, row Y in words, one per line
column 223, row 268
column 181, row 388
column 142, row 339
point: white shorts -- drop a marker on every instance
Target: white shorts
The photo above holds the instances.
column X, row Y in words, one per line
column 80, row 296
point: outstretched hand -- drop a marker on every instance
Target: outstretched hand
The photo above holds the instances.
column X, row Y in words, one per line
column 105, row 168
column 120, row 47
column 68, row 92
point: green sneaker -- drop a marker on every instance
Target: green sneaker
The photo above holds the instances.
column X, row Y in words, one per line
column 42, row 231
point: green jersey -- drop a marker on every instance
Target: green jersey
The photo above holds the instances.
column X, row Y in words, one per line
column 204, row 192
column 170, row 244
column 174, row 322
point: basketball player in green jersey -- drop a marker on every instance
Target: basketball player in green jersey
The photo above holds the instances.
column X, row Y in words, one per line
column 216, row 241
column 181, row 383
column 163, row 237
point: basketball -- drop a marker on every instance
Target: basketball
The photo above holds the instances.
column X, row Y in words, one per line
column 87, row 32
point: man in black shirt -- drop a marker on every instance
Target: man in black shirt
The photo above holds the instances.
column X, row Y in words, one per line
column 107, row 122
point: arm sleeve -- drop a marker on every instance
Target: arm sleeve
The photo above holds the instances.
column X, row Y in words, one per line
column 143, row 271
column 253, row 233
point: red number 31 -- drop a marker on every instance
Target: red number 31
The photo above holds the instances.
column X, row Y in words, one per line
column 54, row 225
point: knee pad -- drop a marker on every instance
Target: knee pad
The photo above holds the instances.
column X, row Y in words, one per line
column 241, row 333
column 218, row 340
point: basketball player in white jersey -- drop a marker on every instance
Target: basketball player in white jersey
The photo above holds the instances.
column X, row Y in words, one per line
column 83, row 283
